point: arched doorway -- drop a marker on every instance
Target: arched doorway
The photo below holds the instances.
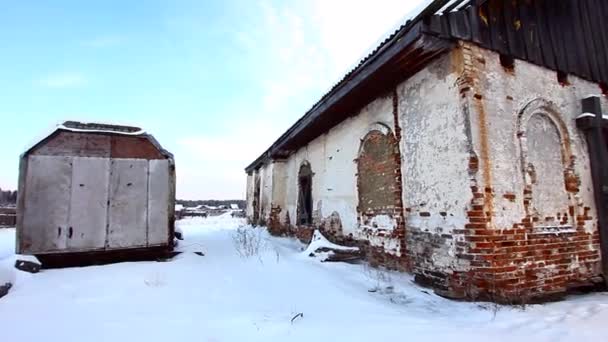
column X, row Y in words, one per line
column 256, row 199
column 305, row 195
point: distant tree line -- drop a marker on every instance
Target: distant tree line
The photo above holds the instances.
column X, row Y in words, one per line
column 215, row 203
column 8, row 197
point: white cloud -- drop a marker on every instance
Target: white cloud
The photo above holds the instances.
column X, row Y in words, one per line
column 300, row 50
column 312, row 47
column 63, row 80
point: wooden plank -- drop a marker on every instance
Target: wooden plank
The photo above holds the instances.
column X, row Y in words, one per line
column 553, row 19
column 498, row 32
column 434, row 25
column 514, row 30
column 603, row 13
column 582, row 62
column 46, row 207
column 127, row 214
column 590, row 37
column 474, row 22
column 445, row 27
column 89, row 204
column 544, row 35
column 480, row 25
column 566, row 30
column 459, row 25
column 530, row 32
column 158, row 203
column 600, row 37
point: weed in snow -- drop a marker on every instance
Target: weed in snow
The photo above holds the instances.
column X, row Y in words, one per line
column 250, row 242
column 379, row 276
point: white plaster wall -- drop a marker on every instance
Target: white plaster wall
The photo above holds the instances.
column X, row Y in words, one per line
column 279, row 190
column 332, row 157
column 265, row 190
column 505, row 95
column 249, row 195
column 434, row 148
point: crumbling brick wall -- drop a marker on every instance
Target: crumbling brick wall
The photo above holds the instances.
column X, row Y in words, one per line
column 523, row 227
column 531, row 231
column 465, row 198
column 379, row 189
column 436, row 149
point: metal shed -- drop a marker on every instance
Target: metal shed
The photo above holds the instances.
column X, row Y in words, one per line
column 98, row 188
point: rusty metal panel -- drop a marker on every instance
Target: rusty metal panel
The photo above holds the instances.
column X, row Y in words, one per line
column 75, row 144
column 89, row 204
column 158, row 202
column 134, row 147
column 47, row 199
column 127, row 213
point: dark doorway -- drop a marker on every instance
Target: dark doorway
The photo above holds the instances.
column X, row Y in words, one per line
column 256, row 199
column 305, row 195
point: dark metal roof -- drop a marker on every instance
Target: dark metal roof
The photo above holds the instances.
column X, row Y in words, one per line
column 89, row 126
column 565, row 35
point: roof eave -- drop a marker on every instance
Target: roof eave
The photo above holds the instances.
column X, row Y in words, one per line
column 399, row 43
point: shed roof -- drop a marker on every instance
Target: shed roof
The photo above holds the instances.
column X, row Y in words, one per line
column 564, row 35
column 97, row 128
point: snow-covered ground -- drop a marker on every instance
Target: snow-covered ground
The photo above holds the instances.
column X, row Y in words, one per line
column 227, row 296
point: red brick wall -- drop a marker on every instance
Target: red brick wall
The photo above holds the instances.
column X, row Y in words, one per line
column 83, row 144
column 522, row 262
column 525, row 262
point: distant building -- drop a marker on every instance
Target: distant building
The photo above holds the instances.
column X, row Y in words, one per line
column 8, row 216
column 95, row 188
column 457, row 151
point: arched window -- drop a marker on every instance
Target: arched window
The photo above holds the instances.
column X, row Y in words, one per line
column 305, row 195
column 377, row 183
column 545, row 158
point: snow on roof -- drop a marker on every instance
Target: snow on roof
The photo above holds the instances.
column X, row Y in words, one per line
column 179, row 207
column 76, row 126
column 234, row 206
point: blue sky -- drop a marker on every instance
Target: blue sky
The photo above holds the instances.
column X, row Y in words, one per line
column 216, row 82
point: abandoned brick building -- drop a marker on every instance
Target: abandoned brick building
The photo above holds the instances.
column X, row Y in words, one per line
column 466, row 149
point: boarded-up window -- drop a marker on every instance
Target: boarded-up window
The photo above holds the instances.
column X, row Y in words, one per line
column 377, row 173
column 544, row 166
